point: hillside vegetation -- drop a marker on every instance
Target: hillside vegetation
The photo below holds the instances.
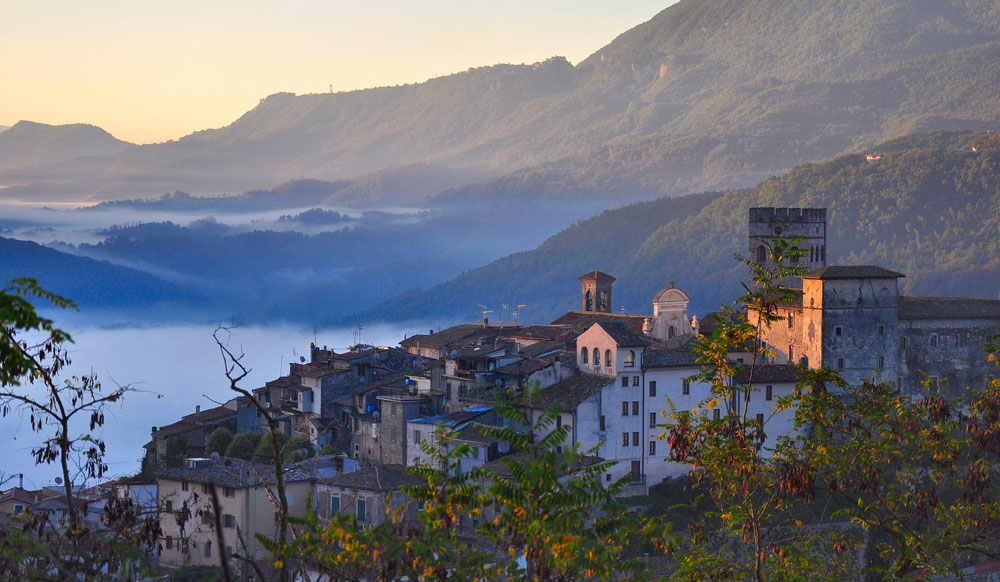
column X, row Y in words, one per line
column 928, row 208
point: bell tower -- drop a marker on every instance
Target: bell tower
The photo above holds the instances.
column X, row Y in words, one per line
column 595, row 292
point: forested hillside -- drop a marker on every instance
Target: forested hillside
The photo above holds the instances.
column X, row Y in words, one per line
column 930, row 208
column 709, row 94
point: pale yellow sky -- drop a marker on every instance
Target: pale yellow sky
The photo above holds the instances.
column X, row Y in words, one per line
column 151, row 70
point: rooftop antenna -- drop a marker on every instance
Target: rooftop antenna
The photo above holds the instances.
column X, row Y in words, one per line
column 517, row 312
column 359, row 338
column 484, row 311
column 331, row 87
column 503, row 314
column 314, row 333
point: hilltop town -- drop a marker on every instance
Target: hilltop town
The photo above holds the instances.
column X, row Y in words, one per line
column 351, row 422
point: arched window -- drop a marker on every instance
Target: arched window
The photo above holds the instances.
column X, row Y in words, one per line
column 607, row 358
column 761, row 253
column 671, row 332
column 590, row 301
column 583, row 355
column 630, row 359
column 602, row 301
column 597, row 357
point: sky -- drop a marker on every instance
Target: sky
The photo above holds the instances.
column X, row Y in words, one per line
column 154, row 70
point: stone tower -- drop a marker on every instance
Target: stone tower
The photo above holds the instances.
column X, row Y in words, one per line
column 769, row 223
column 595, row 291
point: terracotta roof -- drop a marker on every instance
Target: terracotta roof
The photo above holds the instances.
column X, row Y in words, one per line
column 231, row 472
column 770, row 373
column 583, row 320
column 596, row 276
column 948, row 308
column 622, row 334
column 375, row 478
column 20, row 495
column 852, row 272
column 569, row 393
column 462, row 335
column 669, row 356
column 499, row 466
column 545, row 332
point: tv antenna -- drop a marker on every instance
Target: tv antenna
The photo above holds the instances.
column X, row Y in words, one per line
column 359, row 338
column 517, row 312
column 483, row 310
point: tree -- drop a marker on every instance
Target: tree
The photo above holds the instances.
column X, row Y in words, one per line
column 32, row 354
column 751, row 529
column 297, row 448
column 218, row 441
column 243, row 445
column 329, row 449
column 177, row 450
column 264, row 453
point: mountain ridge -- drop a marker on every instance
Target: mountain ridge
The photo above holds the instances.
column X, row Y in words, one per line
column 747, row 89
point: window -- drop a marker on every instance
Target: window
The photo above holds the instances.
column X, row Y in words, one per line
column 229, row 552
column 671, row 332
column 652, row 448
column 791, row 354
column 392, row 434
column 416, row 437
column 228, row 492
column 760, row 419
column 791, row 321
column 902, row 342
column 624, row 439
column 208, row 549
column 881, row 362
column 597, row 357
column 602, row 422
column 362, row 510
column 169, row 541
column 652, row 420
column 629, row 359
column 636, row 470
column 607, row 358
column 18, row 508
column 761, row 253
column 624, row 381
column 624, row 408
column 635, row 380
column 652, row 388
column 228, row 521
column 583, row 355
column 716, row 414
column 392, row 410
column 837, row 331
column 334, row 504
column 589, row 301
column 207, row 518
column 168, row 505
column 635, row 407
column 962, row 340
column 934, row 340
column 768, row 392
column 559, row 421
column 205, row 489
column 184, row 485
column 881, row 330
column 686, row 387
column 635, row 439
column 840, row 363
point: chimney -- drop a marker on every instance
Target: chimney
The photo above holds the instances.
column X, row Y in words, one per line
column 431, row 332
column 20, row 481
column 197, row 408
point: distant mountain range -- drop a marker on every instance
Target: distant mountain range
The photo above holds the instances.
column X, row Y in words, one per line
column 927, row 208
column 709, row 94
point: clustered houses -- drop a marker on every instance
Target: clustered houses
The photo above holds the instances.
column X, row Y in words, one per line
column 612, row 378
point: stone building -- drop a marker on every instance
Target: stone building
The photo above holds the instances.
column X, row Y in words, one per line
column 766, row 224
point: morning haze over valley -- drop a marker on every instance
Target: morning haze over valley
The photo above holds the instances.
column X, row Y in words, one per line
column 394, row 193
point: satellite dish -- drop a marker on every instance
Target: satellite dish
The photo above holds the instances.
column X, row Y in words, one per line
column 58, row 480
column 302, row 359
column 215, row 455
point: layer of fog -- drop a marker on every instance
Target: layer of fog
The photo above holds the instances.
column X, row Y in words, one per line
column 171, row 371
